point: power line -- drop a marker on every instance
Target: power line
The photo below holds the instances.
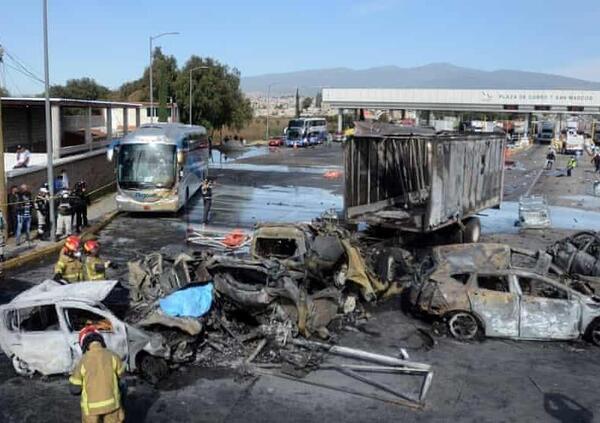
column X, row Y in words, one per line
column 23, row 67
column 34, row 78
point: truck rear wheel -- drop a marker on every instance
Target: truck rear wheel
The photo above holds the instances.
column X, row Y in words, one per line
column 472, row 230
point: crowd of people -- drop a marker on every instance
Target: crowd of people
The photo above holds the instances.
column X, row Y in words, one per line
column 25, row 210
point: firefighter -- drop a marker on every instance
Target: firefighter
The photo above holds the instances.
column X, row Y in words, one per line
column 69, row 267
column 97, row 378
column 94, row 268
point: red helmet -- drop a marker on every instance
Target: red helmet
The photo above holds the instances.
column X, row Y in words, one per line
column 85, row 332
column 72, row 244
column 91, row 245
column 75, row 238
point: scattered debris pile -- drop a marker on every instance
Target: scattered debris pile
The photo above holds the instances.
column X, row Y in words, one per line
column 298, row 281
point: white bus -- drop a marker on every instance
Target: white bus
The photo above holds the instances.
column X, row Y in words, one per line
column 308, row 125
column 159, row 166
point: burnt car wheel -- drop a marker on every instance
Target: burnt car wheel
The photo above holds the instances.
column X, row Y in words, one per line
column 593, row 332
column 21, row 367
column 463, row 326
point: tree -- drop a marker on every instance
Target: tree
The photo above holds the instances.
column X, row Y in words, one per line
column 306, row 102
column 4, row 92
column 162, row 67
column 82, row 88
column 297, row 103
column 217, row 99
column 163, row 116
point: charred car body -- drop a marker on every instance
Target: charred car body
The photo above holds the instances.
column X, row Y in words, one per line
column 481, row 289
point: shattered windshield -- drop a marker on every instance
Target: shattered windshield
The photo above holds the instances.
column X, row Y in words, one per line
column 146, row 166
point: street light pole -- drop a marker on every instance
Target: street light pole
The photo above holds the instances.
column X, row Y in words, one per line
column 152, row 38
column 268, row 108
column 49, row 158
column 192, row 70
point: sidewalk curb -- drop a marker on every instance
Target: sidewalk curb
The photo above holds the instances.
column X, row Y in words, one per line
column 55, row 247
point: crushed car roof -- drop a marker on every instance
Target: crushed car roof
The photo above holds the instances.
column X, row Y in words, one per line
column 472, row 257
column 52, row 291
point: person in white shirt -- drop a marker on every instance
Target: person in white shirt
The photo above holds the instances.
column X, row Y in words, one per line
column 65, row 179
column 23, row 156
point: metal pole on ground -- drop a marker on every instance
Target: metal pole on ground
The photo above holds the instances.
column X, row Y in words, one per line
column 49, row 162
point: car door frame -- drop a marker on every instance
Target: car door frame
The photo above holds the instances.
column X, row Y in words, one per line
column 498, row 310
column 548, row 318
column 116, row 341
column 46, row 356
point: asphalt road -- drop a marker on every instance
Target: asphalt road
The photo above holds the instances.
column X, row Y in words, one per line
column 489, row 381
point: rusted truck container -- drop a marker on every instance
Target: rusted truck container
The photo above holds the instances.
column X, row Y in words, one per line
column 416, row 180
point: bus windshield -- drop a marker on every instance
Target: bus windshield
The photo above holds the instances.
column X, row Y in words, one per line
column 146, row 166
column 296, row 123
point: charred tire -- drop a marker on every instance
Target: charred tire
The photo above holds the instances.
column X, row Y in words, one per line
column 21, row 367
column 153, row 369
column 472, row 230
column 592, row 333
column 464, row 326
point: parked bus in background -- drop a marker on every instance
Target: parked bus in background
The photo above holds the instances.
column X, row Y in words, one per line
column 308, row 125
column 159, row 166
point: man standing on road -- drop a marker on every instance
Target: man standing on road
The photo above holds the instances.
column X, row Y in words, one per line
column 42, row 207
column 65, row 215
column 13, row 205
column 596, row 161
column 571, row 164
column 97, row 378
column 550, row 158
column 206, row 189
column 24, row 210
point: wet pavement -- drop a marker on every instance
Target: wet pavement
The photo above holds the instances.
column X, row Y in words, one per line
column 489, row 381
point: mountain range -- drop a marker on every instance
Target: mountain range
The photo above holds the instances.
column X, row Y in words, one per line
column 434, row 75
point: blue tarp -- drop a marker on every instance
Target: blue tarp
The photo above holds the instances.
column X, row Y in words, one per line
column 189, row 302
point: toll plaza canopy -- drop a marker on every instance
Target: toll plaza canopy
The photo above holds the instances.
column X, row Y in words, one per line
column 476, row 100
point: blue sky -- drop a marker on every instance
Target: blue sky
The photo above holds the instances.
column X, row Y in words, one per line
column 108, row 39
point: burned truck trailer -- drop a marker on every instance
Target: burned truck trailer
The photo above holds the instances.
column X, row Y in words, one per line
column 417, row 180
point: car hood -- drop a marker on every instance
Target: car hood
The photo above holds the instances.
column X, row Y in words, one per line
column 52, row 291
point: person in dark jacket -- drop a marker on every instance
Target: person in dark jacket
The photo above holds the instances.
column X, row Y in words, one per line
column 206, row 188
column 80, row 204
column 24, row 211
column 13, row 200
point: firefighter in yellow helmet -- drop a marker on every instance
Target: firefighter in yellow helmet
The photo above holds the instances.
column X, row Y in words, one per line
column 94, row 268
column 97, row 379
column 69, row 267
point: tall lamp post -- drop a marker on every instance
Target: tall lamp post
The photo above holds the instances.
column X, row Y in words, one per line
column 268, row 107
column 49, row 161
column 191, row 71
column 152, row 38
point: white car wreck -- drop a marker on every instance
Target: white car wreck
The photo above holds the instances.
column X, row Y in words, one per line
column 39, row 329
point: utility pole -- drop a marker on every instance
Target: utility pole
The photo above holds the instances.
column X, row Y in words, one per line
column 3, row 194
column 49, row 158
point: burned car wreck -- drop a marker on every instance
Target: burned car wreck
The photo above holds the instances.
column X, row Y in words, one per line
column 39, row 329
column 491, row 290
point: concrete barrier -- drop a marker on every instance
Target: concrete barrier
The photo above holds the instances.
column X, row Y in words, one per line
column 93, row 167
